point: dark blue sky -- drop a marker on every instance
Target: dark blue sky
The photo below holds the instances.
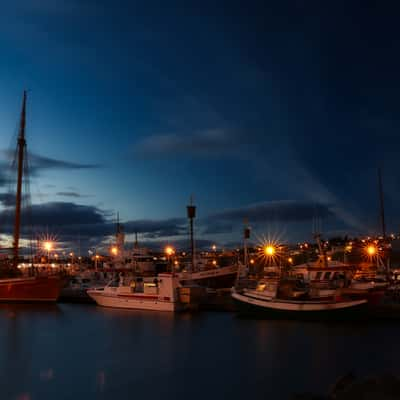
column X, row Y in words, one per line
column 265, row 110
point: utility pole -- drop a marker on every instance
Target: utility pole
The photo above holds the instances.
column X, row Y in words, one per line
column 191, row 213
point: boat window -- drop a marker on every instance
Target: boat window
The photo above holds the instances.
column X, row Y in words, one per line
column 139, row 287
column 327, row 275
column 319, row 274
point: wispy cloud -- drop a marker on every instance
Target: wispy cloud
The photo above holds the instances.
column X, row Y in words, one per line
column 38, row 162
column 283, row 210
column 203, row 143
column 72, row 194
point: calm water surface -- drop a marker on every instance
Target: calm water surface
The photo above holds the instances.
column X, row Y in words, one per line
column 88, row 352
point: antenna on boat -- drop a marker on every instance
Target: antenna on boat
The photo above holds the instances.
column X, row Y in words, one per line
column 382, row 206
column 317, row 237
column 191, row 213
column 21, row 151
column 246, row 236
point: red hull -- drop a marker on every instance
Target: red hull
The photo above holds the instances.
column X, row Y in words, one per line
column 35, row 289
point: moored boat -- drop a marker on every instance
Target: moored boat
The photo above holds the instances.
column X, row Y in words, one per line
column 291, row 300
column 157, row 294
column 13, row 286
column 30, row 289
column 296, row 309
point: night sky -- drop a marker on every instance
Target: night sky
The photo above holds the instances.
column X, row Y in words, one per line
column 279, row 112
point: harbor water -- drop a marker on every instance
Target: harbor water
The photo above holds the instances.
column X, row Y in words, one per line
column 86, row 352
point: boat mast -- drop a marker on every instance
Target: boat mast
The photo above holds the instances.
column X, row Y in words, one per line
column 21, row 150
column 382, row 206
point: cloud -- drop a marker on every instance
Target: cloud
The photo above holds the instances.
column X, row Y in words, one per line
column 152, row 229
column 204, row 143
column 72, row 223
column 71, row 194
column 283, row 210
column 57, row 214
column 37, row 163
column 179, row 244
column 8, row 199
column 214, row 227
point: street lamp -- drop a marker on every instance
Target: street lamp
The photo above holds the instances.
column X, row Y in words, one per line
column 48, row 246
column 372, row 252
column 169, row 251
column 269, row 250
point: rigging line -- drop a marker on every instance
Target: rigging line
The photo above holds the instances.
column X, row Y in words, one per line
column 28, row 202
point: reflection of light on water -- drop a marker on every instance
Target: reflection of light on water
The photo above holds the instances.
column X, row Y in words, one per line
column 47, row 374
column 23, row 396
column 101, row 380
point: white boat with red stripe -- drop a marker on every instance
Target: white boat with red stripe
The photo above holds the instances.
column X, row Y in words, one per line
column 158, row 293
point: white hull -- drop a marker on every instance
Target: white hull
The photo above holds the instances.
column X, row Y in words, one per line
column 132, row 302
column 293, row 305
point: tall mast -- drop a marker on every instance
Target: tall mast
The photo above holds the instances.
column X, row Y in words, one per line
column 382, row 206
column 21, row 151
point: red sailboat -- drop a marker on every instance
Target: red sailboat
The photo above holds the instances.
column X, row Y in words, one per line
column 14, row 288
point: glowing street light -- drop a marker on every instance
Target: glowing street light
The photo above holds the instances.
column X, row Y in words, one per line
column 269, row 250
column 372, row 250
column 48, row 246
column 290, row 260
column 169, row 251
column 114, row 250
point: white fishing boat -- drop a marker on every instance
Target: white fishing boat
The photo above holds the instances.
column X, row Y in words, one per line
column 268, row 300
column 158, row 293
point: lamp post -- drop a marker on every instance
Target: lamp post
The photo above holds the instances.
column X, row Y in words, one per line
column 169, row 251
column 269, row 251
column 48, row 246
column 72, row 257
column 372, row 252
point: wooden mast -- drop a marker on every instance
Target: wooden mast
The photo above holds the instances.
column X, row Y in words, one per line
column 21, row 151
